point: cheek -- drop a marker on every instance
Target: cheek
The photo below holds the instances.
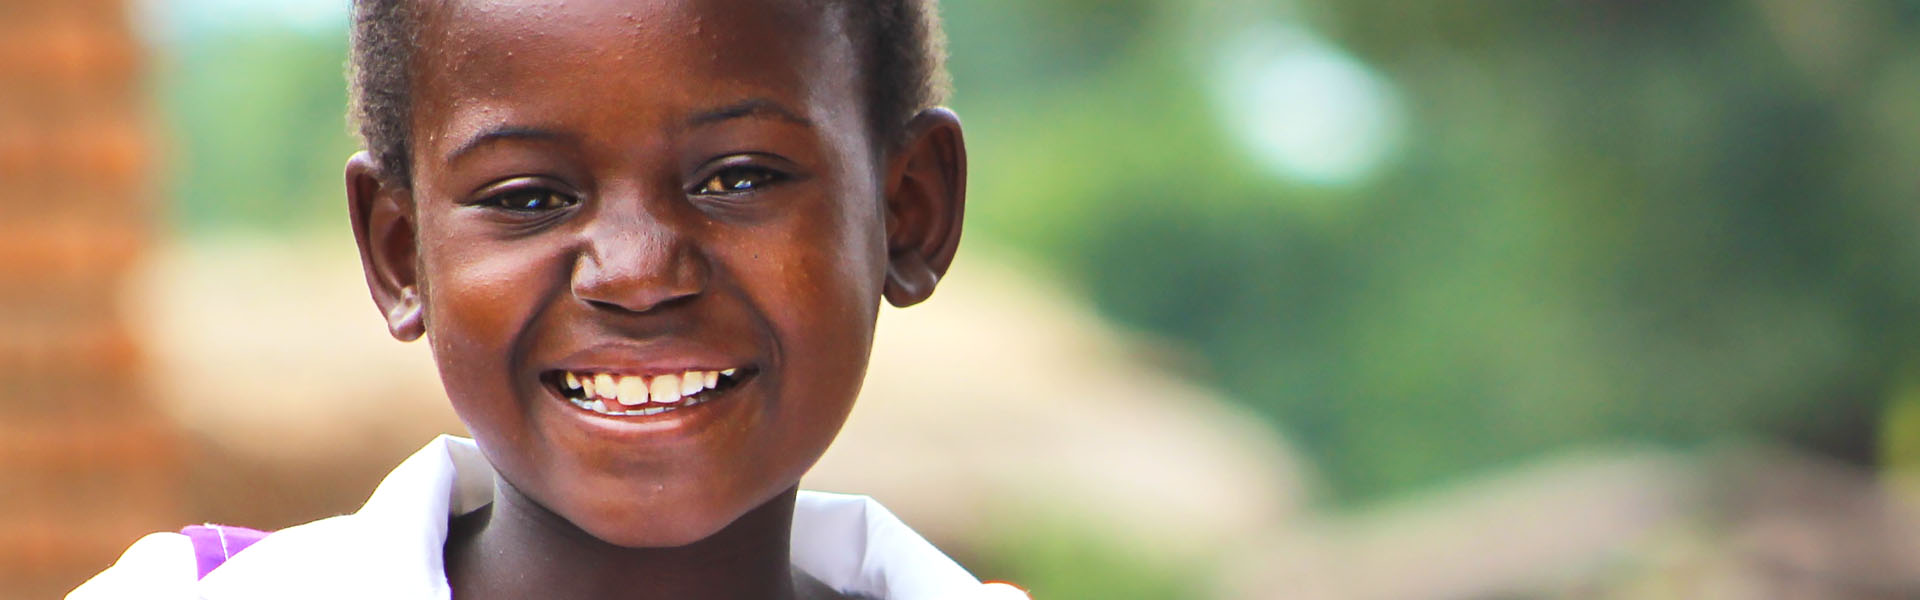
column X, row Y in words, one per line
column 831, row 297
column 479, row 302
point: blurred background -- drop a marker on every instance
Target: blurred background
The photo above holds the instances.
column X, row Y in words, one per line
column 1302, row 299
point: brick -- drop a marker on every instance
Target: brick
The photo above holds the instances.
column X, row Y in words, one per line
column 58, row 250
column 107, row 347
column 64, row 390
column 87, row 463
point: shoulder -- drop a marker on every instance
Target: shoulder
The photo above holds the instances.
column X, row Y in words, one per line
column 158, row 566
column 858, row 547
column 392, row 544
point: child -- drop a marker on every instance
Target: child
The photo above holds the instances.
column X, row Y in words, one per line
column 646, row 241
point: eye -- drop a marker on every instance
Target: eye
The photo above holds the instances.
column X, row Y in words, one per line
column 529, row 200
column 737, row 180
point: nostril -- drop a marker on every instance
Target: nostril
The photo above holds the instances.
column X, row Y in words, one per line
column 639, row 273
column 617, row 307
column 608, row 306
column 632, row 289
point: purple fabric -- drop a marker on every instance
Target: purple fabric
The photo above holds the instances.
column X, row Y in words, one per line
column 214, row 544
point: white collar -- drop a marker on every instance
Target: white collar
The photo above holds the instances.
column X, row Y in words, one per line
column 392, row 547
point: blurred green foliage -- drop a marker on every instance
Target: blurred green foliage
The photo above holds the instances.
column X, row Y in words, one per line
column 1665, row 222
column 1651, row 221
column 1055, row 557
column 257, row 120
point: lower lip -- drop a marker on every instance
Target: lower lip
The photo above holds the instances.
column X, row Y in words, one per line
column 676, row 418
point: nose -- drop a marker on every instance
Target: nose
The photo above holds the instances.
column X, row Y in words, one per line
column 637, row 266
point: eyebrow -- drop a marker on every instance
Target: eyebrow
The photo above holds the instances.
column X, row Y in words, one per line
column 755, row 107
column 508, row 132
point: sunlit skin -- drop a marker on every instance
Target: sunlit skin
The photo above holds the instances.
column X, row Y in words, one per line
column 648, row 187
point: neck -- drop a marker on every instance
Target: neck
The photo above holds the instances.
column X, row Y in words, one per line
column 516, row 548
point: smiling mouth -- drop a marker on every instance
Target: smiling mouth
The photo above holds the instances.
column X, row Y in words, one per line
column 639, row 396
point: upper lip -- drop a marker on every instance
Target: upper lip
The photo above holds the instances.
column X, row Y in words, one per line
column 647, row 360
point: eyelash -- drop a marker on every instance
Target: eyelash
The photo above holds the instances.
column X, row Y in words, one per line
column 738, row 179
column 529, row 200
column 734, row 180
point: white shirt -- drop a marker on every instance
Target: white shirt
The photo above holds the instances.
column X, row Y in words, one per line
column 392, row 547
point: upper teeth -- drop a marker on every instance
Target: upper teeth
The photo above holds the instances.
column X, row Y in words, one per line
column 635, row 390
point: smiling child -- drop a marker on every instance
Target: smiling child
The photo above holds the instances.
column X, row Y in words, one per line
column 646, row 241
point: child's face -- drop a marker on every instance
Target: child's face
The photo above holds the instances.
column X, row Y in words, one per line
column 641, row 189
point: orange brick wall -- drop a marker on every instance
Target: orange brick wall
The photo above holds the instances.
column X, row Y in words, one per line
column 86, row 462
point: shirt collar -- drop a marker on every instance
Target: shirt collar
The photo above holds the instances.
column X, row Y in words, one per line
column 392, row 547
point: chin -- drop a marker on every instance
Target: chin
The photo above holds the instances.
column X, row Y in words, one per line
column 655, row 532
column 637, row 525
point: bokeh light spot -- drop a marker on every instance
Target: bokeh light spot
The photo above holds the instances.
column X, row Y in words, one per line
column 1307, row 110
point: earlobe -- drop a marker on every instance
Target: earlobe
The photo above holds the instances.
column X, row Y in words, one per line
column 926, row 205
column 910, row 280
column 384, row 230
column 405, row 318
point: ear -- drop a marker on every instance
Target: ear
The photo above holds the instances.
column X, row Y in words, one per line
column 384, row 228
column 926, row 189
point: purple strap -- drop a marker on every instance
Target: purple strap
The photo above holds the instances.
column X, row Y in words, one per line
column 214, row 544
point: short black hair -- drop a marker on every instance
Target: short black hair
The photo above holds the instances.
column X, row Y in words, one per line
column 902, row 50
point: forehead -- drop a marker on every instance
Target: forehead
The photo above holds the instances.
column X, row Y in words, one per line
column 456, row 31
column 635, row 55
